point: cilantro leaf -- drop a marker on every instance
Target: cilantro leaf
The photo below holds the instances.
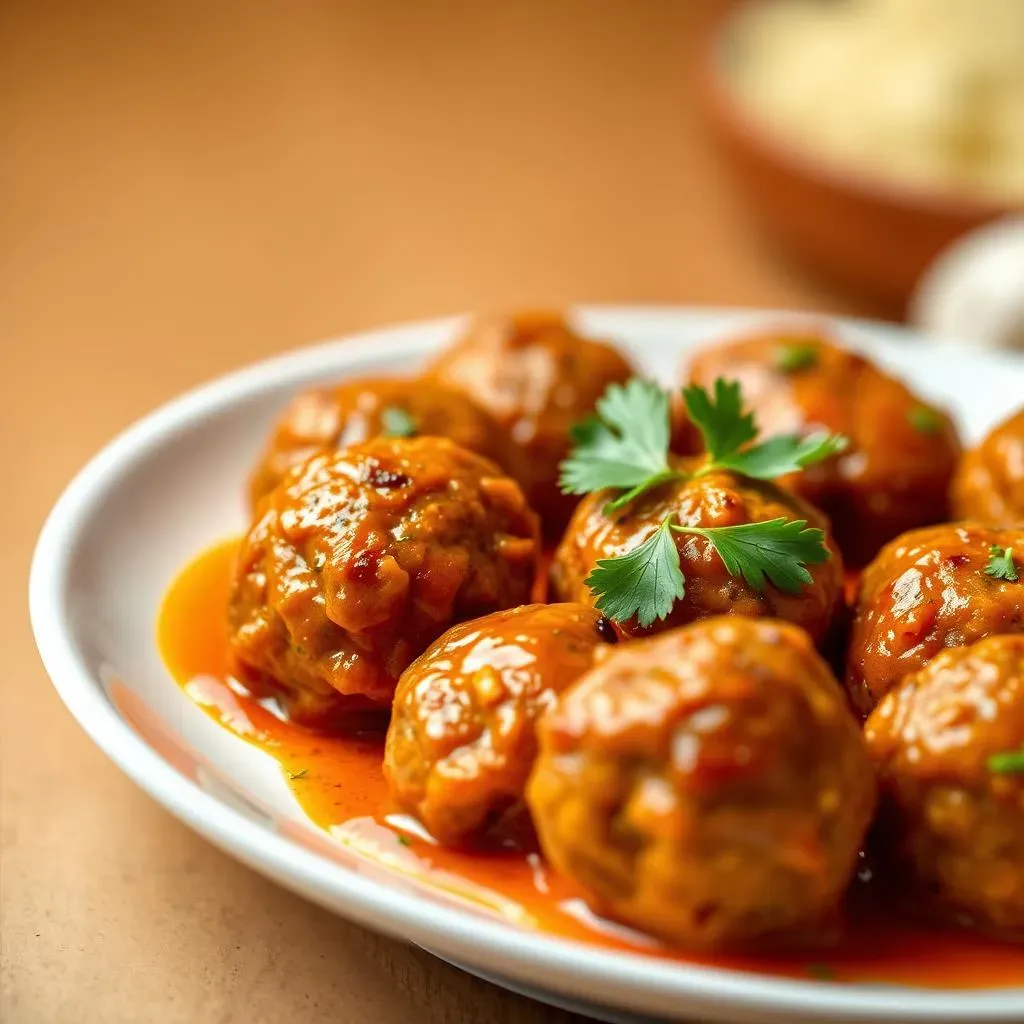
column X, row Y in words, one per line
column 720, row 420
column 779, row 549
column 1001, row 565
column 784, row 454
column 645, row 582
column 397, row 422
column 624, row 447
column 1009, row 762
column 726, row 429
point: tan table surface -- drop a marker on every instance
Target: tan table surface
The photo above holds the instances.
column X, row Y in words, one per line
column 188, row 186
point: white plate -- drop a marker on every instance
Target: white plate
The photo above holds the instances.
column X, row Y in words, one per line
column 173, row 484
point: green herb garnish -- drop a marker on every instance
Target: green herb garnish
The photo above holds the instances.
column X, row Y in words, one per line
column 924, row 420
column 403, row 841
column 727, row 432
column 645, row 582
column 795, row 356
column 1009, row 762
column 1001, row 565
column 397, row 422
column 625, row 447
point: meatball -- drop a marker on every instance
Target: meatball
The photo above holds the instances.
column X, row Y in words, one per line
column 926, row 591
column 708, row 785
column 462, row 739
column 894, row 475
column 359, row 559
column 946, row 741
column 360, row 409
column 720, row 498
column 989, row 483
column 537, row 378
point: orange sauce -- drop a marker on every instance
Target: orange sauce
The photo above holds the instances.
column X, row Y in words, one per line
column 339, row 784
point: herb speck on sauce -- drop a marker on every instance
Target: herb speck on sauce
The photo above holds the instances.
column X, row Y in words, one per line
column 924, row 420
column 1009, row 762
column 397, row 422
column 795, row 357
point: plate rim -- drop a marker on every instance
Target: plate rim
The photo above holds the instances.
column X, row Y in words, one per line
column 373, row 903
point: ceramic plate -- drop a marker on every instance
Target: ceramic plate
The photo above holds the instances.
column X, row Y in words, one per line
column 173, row 484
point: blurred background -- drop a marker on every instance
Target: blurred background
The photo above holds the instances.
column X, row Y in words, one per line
column 186, row 186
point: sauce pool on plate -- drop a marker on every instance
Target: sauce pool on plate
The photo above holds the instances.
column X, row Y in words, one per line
column 339, row 783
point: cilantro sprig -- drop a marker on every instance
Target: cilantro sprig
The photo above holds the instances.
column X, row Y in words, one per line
column 1001, row 565
column 624, row 447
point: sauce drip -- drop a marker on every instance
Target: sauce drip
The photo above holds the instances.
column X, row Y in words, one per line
column 339, row 783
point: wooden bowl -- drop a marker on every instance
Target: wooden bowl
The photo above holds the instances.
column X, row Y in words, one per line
column 870, row 233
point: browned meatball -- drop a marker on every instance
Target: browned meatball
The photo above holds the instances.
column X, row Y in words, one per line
column 989, row 483
column 708, row 785
column 462, row 739
column 361, row 558
column 948, row 743
column 718, row 499
column 360, row 409
column 537, row 377
column 895, row 474
column 926, row 591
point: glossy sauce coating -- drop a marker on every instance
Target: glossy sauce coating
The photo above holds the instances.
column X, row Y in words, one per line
column 989, row 484
column 339, row 783
column 926, row 591
column 708, row 785
column 462, row 737
column 361, row 558
column 895, row 474
column 357, row 410
column 717, row 499
column 537, row 378
column 953, row 826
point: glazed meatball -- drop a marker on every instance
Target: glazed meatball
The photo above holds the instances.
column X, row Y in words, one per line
column 926, row 591
column 989, row 483
column 359, row 559
column 462, row 739
column 945, row 742
column 719, row 498
column 360, row 409
column 537, row 377
column 708, row 785
column 896, row 472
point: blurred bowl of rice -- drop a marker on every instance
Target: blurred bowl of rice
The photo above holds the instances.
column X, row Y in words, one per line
column 871, row 134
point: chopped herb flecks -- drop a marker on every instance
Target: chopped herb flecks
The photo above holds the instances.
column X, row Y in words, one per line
column 1010, row 762
column 924, row 420
column 796, row 356
column 397, row 422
